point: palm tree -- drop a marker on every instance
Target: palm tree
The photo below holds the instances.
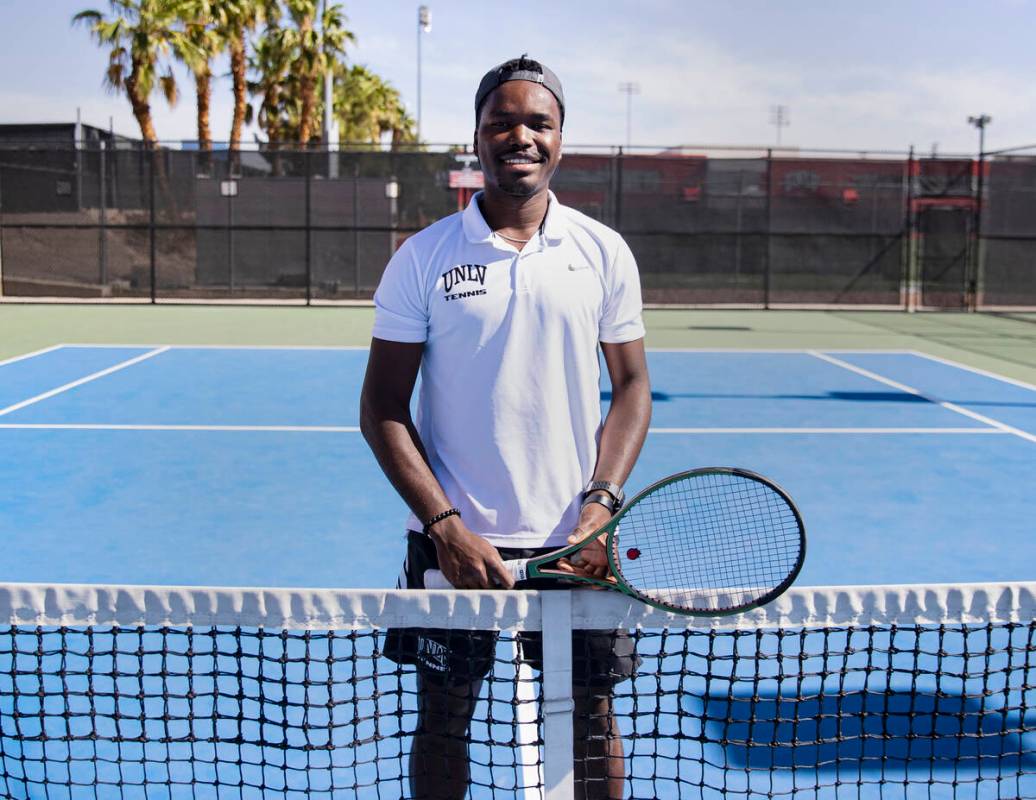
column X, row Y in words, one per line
column 270, row 63
column 367, row 107
column 237, row 17
column 314, row 52
column 141, row 35
column 200, row 20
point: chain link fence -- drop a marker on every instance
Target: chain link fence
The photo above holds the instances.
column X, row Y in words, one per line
column 708, row 226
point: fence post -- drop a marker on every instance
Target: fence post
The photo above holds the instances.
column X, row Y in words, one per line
column 230, row 229
column 1, row 231
column 356, row 226
column 974, row 279
column 308, row 155
column 908, row 277
column 769, row 227
column 152, row 268
column 102, row 242
column 618, row 190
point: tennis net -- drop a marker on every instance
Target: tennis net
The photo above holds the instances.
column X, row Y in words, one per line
column 160, row 692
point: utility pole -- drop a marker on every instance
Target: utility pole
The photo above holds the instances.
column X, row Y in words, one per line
column 779, row 119
column 630, row 89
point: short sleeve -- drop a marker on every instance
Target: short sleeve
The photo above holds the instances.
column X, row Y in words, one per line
column 400, row 310
column 622, row 319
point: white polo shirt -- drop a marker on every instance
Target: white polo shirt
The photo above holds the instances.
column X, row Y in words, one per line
column 509, row 408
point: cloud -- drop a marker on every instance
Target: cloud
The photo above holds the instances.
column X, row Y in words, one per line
column 699, row 83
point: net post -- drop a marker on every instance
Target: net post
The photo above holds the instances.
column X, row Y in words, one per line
column 558, row 745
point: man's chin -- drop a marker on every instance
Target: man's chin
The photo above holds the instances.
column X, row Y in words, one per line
column 520, row 187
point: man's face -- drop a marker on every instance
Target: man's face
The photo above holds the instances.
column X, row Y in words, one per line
column 518, row 138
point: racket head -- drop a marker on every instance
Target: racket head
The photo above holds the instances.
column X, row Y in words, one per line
column 707, row 542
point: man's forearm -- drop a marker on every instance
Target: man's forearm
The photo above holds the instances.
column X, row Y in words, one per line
column 394, row 441
column 625, row 429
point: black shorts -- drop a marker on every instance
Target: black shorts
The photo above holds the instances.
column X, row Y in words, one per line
column 599, row 658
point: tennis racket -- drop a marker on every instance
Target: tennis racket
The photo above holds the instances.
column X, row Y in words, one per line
column 707, row 542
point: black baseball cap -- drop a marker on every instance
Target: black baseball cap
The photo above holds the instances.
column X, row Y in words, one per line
column 520, row 69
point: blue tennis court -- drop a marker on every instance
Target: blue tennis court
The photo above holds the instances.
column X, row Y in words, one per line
column 245, row 466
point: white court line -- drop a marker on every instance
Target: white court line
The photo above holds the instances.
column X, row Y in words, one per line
column 766, row 350
column 221, row 346
column 92, row 377
column 910, row 390
column 828, row 430
column 33, row 354
column 86, row 426
column 799, row 350
column 976, row 370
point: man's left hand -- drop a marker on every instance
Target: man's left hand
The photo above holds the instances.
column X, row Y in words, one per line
column 592, row 560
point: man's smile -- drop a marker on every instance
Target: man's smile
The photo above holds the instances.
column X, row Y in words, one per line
column 518, row 159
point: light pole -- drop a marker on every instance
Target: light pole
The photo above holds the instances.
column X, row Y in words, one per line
column 424, row 24
column 330, row 125
column 980, row 122
column 630, row 89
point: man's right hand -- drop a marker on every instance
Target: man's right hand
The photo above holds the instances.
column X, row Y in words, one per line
column 468, row 561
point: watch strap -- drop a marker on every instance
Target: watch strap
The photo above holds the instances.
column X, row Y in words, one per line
column 618, row 496
column 603, row 499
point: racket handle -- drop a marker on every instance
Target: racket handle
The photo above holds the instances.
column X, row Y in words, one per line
column 434, row 579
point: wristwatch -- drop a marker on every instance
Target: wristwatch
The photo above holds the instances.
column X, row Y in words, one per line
column 613, row 490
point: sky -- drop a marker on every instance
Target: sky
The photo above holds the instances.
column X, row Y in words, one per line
column 864, row 75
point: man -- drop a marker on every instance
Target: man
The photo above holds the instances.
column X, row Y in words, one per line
column 502, row 308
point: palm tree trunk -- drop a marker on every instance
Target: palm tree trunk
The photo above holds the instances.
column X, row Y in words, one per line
column 203, row 86
column 307, row 81
column 308, row 90
column 141, row 107
column 237, row 70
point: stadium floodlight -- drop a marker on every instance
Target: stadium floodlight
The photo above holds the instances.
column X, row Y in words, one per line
column 980, row 122
column 424, row 25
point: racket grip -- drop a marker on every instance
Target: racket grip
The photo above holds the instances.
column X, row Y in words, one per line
column 434, row 578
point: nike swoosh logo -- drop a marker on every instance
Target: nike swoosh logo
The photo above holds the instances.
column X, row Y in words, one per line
column 577, row 267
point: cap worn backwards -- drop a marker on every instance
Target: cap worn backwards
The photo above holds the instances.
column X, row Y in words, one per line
column 520, row 69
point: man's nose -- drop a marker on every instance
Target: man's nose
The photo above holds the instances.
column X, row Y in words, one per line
column 521, row 135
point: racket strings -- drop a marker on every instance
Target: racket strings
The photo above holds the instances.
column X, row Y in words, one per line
column 709, row 541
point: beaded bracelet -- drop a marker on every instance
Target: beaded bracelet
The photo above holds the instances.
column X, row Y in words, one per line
column 449, row 512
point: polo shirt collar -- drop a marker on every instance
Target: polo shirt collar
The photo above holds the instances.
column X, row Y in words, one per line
column 476, row 229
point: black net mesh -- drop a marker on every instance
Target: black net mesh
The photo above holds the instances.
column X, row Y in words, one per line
column 861, row 711
column 226, row 712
